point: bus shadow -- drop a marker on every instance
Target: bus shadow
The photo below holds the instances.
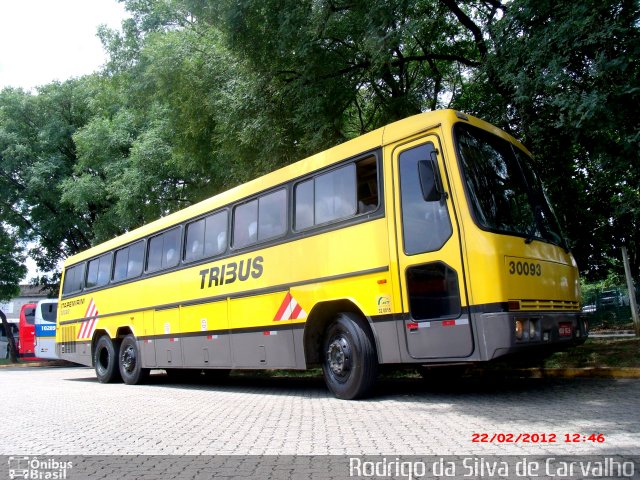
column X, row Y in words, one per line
column 404, row 389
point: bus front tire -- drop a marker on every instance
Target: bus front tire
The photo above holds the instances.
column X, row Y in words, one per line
column 350, row 364
column 105, row 360
column 130, row 362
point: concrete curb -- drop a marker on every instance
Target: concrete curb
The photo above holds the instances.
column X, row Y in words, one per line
column 42, row 363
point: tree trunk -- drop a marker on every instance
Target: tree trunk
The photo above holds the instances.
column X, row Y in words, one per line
column 13, row 350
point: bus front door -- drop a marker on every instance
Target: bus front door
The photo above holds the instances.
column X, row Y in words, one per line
column 429, row 255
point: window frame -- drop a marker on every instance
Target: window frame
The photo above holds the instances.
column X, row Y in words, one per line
column 109, row 276
column 333, row 168
column 115, row 255
column 83, row 266
column 256, row 198
column 289, row 234
column 179, row 249
column 204, row 218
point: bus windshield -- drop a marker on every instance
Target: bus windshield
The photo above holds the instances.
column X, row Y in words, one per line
column 505, row 194
column 49, row 311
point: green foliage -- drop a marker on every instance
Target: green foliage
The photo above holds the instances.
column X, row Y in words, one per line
column 572, row 73
column 198, row 96
column 37, row 154
column 12, row 268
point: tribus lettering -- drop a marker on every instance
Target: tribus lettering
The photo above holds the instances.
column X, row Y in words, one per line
column 229, row 273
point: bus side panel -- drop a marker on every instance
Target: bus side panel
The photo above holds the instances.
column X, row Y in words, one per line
column 148, row 345
column 168, row 343
column 270, row 343
column 209, row 345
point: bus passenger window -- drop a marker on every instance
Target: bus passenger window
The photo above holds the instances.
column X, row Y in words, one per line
column 104, row 270
column 338, row 194
column 367, row 175
column 129, row 262
column 243, row 218
column 120, row 268
column 194, row 248
column 170, row 248
column 304, row 205
column 215, row 237
column 73, row 279
column 272, row 215
column 134, row 263
column 98, row 271
column 163, row 250
column 335, row 195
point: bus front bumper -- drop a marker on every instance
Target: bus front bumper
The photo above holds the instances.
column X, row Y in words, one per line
column 521, row 332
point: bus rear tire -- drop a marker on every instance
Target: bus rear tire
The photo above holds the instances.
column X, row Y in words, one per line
column 349, row 361
column 105, row 360
column 130, row 362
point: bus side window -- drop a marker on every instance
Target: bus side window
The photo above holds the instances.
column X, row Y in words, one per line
column 304, row 205
column 129, row 262
column 98, row 271
column 120, row 268
column 134, row 263
column 215, row 237
column 73, row 279
column 272, row 215
column 337, row 194
column 367, row 178
column 194, row 243
column 163, row 250
column 104, row 270
column 243, row 217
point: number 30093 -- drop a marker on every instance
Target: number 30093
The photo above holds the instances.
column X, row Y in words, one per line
column 525, row 268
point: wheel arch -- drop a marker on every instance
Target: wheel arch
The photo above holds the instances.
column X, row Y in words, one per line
column 94, row 340
column 321, row 315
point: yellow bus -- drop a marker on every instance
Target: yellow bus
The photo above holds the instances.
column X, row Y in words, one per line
column 426, row 242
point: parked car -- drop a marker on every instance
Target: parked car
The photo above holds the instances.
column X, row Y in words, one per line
column 4, row 340
column 613, row 298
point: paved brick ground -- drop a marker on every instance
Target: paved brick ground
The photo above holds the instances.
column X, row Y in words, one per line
column 58, row 411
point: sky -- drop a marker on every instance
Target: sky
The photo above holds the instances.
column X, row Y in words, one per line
column 46, row 40
column 42, row 41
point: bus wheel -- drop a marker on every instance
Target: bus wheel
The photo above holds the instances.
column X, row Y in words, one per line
column 349, row 362
column 105, row 360
column 131, row 362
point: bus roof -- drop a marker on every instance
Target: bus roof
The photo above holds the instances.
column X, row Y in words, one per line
column 382, row 136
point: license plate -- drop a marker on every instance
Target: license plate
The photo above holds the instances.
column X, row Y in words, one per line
column 564, row 329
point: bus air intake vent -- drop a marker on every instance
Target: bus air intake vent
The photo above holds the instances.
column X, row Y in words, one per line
column 549, row 305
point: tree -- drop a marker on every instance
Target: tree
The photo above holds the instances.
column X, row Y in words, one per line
column 12, row 271
column 12, row 268
column 36, row 154
column 571, row 73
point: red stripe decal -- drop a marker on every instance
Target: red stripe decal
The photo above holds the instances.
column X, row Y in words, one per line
column 283, row 307
column 296, row 311
column 448, row 323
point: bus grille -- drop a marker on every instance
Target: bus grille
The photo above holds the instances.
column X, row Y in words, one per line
column 68, row 339
column 549, row 305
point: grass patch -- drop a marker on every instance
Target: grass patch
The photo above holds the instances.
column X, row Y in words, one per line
column 5, row 361
column 599, row 352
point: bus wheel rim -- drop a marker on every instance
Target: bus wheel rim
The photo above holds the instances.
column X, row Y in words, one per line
column 129, row 359
column 339, row 356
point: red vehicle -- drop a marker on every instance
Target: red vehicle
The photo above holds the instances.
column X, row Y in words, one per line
column 27, row 330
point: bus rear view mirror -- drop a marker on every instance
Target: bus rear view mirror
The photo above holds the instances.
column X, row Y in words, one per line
column 428, row 184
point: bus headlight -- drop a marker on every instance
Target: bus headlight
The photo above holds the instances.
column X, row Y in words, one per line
column 532, row 329
column 519, row 328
